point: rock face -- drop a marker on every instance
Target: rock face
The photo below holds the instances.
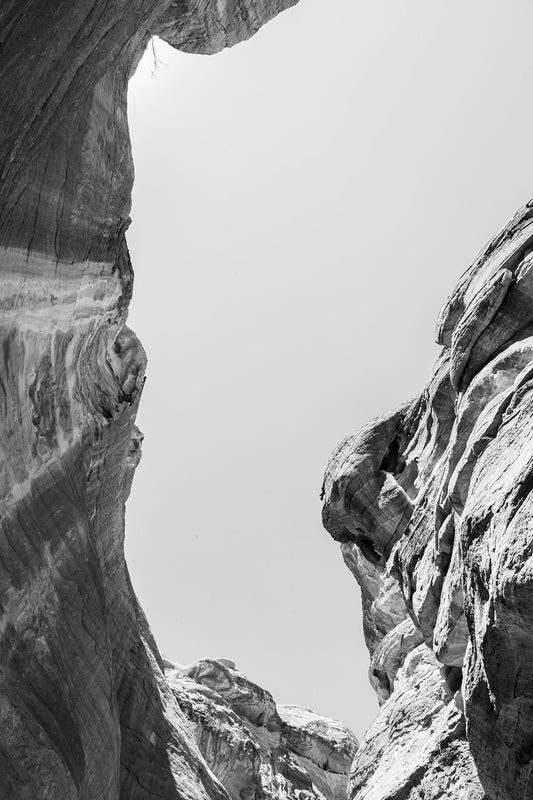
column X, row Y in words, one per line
column 255, row 748
column 86, row 710
column 432, row 504
column 433, row 509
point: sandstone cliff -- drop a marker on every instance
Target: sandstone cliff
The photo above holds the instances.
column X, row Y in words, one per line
column 432, row 507
column 87, row 710
column 255, row 748
column 431, row 504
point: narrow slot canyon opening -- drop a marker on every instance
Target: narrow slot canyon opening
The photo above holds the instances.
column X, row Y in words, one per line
column 265, row 176
column 223, row 534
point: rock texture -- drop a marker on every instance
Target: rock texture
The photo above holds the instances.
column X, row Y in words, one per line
column 86, row 710
column 432, row 504
column 255, row 748
column 433, row 509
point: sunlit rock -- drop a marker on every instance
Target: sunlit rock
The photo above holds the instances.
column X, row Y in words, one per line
column 433, row 508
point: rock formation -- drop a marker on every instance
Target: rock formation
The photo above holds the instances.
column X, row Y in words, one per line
column 255, row 748
column 86, row 710
column 433, row 509
column 431, row 504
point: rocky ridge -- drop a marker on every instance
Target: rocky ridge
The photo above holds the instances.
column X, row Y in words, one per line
column 257, row 748
column 432, row 507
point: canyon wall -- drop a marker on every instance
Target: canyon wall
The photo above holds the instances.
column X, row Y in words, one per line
column 432, row 506
column 88, row 708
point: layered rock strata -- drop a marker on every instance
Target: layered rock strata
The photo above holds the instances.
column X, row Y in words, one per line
column 86, row 711
column 258, row 749
column 431, row 504
column 433, row 509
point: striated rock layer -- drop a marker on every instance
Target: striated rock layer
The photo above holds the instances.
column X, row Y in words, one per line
column 431, row 504
column 255, row 748
column 87, row 711
column 433, row 509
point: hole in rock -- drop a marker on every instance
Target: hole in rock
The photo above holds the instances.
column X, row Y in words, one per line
column 393, row 460
column 368, row 549
column 363, row 542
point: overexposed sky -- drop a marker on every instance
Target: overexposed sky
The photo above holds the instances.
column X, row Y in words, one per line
column 303, row 205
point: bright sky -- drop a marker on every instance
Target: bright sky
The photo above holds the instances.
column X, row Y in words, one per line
column 303, row 205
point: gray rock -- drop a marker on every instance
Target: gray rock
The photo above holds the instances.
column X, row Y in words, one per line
column 433, row 507
column 255, row 748
column 86, row 711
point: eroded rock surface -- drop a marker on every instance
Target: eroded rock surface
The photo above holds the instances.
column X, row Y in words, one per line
column 433, row 509
column 254, row 747
column 431, row 504
column 86, row 712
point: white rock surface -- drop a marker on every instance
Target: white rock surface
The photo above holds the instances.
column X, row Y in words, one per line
column 255, row 748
